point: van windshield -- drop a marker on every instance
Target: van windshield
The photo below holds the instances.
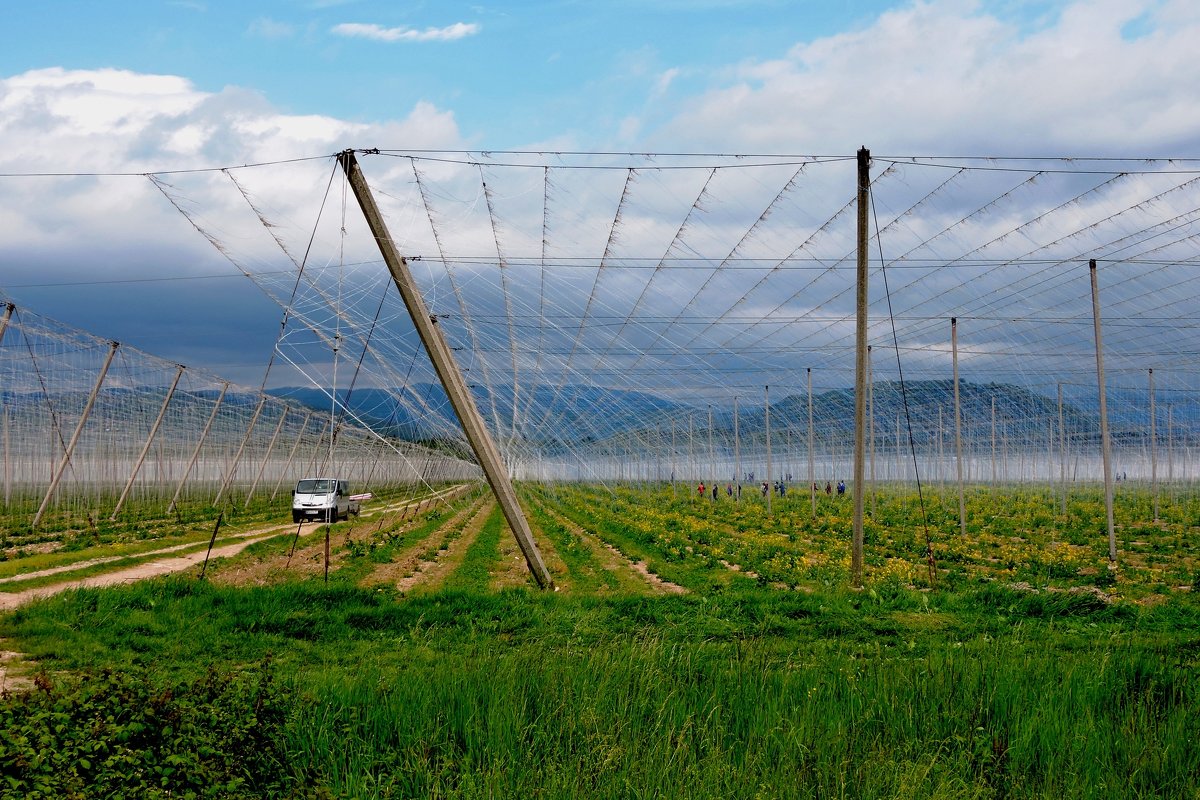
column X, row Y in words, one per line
column 315, row 486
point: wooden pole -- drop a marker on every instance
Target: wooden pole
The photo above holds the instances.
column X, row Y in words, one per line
column 7, row 461
column 1153, row 449
column 237, row 457
column 8, row 311
column 448, row 373
column 712, row 459
column 266, row 458
column 83, row 418
column 287, row 467
column 1105, row 442
column 812, row 478
column 860, row 366
column 871, row 423
column 196, row 452
column 162, row 413
column 737, row 455
column 1062, row 450
column 958, row 454
column 767, row 422
column 674, row 461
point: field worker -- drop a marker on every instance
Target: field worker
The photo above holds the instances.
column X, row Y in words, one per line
column 729, row 490
column 828, row 488
column 714, row 491
column 700, row 489
column 841, row 487
column 765, row 489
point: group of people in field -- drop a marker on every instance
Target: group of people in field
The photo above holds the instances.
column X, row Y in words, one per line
column 780, row 489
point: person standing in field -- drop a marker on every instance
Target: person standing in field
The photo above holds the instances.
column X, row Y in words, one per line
column 700, row 489
column 841, row 487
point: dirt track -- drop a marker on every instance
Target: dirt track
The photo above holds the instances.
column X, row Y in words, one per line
column 172, row 560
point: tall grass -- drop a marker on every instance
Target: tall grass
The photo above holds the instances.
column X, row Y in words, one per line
column 985, row 693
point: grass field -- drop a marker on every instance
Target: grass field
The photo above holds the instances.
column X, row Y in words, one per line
column 694, row 649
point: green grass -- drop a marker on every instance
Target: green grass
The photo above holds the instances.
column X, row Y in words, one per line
column 1016, row 677
column 985, row 693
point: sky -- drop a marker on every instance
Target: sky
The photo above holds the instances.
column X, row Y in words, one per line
column 92, row 95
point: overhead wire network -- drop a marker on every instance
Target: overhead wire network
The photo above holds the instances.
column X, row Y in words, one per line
column 605, row 306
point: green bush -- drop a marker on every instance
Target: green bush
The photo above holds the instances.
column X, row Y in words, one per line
column 117, row 734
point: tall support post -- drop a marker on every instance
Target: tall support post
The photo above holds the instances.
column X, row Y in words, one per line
column 7, row 459
column 1062, row 450
column 266, row 458
column 1171, row 448
column 871, row 423
column 958, row 455
column 941, row 455
column 196, row 452
column 162, row 413
column 448, row 373
column 691, row 459
column 237, row 457
column 767, row 423
column 287, row 467
column 8, row 311
column 712, row 456
column 993, row 442
column 83, row 418
column 860, row 366
column 737, row 455
column 1153, row 449
column 812, row 478
column 674, row 461
column 1105, row 441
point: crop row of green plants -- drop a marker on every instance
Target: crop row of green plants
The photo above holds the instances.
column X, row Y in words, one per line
column 1015, row 536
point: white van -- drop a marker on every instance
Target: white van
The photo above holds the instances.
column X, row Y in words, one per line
column 322, row 500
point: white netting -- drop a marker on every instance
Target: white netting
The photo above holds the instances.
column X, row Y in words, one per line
column 608, row 311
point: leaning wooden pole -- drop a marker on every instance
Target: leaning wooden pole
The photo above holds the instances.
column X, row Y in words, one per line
column 196, row 452
column 1105, row 441
column 860, row 367
column 237, row 457
column 141, row 459
column 8, row 311
column 83, row 418
column 448, row 373
column 266, row 458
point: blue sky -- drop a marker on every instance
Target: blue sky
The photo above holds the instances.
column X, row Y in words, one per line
column 512, row 72
column 150, row 86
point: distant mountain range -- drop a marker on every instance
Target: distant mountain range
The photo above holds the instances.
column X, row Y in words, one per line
column 575, row 414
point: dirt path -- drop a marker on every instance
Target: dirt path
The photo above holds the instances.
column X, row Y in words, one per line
column 172, row 559
column 405, row 563
column 429, row 573
column 613, row 559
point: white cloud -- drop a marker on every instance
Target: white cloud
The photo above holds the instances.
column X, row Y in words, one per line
column 91, row 125
column 458, row 30
column 948, row 74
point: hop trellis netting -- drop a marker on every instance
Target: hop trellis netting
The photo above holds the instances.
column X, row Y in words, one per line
column 661, row 317
column 91, row 427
